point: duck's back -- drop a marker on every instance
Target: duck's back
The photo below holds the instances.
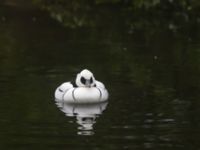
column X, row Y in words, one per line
column 68, row 93
column 61, row 90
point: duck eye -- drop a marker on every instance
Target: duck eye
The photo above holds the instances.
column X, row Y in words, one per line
column 91, row 80
column 83, row 80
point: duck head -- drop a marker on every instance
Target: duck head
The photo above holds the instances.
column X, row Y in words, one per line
column 85, row 79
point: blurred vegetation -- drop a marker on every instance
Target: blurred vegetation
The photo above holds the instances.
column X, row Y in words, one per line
column 136, row 13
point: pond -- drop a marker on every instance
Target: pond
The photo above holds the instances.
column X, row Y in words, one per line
column 152, row 75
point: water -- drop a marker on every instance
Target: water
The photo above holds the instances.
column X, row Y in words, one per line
column 152, row 77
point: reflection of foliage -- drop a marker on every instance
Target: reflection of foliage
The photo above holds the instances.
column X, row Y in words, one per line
column 136, row 14
column 132, row 3
column 69, row 13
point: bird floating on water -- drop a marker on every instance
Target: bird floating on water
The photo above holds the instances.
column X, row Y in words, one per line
column 85, row 89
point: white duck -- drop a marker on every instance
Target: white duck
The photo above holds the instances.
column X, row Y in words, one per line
column 85, row 89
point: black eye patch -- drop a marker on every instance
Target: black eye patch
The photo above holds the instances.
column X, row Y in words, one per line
column 91, row 80
column 83, row 80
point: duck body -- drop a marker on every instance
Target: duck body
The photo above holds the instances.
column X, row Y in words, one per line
column 70, row 92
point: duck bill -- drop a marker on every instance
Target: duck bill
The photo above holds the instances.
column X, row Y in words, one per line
column 87, row 83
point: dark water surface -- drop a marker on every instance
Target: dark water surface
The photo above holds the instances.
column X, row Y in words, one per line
column 152, row 76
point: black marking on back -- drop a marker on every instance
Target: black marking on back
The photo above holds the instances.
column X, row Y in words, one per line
column 100, row 93
column 73, row 94
column 60, row 90
column 74, row 84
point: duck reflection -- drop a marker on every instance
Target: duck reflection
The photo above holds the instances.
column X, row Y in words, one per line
column 85, row 114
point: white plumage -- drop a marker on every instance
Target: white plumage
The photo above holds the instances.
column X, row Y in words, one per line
column 85, row 89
